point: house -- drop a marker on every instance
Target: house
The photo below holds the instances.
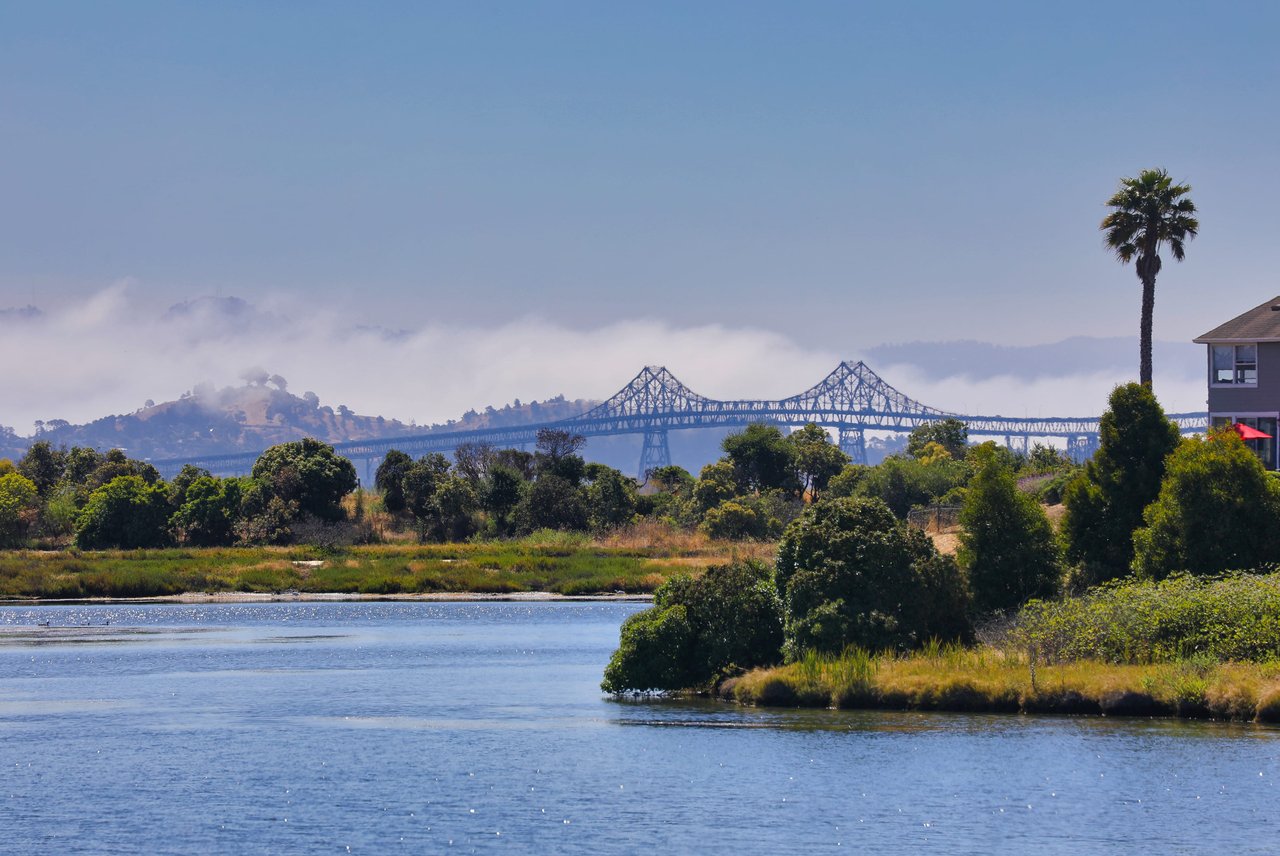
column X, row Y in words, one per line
column 1244, row 374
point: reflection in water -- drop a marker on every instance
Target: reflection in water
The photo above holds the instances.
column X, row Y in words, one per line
column 303, row 727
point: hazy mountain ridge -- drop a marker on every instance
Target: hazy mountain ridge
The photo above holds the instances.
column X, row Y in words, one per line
column 261, row 413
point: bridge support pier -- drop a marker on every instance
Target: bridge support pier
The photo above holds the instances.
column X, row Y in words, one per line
column 1080, row 447
column 655, row 453
column 853, row 442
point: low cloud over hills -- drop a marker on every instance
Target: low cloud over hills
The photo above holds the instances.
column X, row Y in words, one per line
column 71, row 365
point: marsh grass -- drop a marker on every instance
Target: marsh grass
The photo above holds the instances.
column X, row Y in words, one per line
column 952, row 678
column 551, row 562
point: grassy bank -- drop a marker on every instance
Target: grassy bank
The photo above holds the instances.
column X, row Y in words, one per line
column 987, row 679
column 560, row 564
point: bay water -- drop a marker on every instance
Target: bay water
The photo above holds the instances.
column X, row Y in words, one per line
column 385, row 727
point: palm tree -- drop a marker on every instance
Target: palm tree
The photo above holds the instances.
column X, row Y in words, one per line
column 1148, row 212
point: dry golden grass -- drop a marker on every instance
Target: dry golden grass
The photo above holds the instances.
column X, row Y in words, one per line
column 986, row 679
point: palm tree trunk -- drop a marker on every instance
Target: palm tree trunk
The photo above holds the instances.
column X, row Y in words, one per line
column 1144, row 335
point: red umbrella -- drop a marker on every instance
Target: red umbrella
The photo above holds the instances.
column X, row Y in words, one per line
column 1247, row 433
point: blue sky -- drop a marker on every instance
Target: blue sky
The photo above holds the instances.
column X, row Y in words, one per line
column 837, row 174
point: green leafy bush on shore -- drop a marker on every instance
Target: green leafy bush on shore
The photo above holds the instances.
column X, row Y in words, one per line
column 850, row 573
column 698, row 630
column 1234, row 617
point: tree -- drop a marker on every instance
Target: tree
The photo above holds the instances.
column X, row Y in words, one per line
column 209, row 512
column 500, row 493
column 1149, row 212
column 126, row 514
column 672, row 479
column 453, row 508
column 845, row 482
column 1104, row 504
column 557, row 455
column 1006, row 543
column 850, row 573
column 180, row 483
column 716, row 483
column 472, row 460
column 112, row 465
column 18, row 500
column 699, row 630
column 817, row 459
column 520, row 461
column 903, row 483
column 43, row 465
column 950, row 434
column 1047, row 459
column 309, row 473
column 762, row 459
column 611, row 497
column 733, row 521
column 79, row 466
column 1217, row 510
column 553, row 502
column 420, row 483
column 389, row 479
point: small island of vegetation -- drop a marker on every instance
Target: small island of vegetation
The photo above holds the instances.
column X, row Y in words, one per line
column 1157, row 596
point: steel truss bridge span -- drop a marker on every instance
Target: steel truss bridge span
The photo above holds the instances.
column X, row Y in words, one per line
column 852, row 400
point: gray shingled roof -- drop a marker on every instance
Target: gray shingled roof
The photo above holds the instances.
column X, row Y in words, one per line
column 1259, row 324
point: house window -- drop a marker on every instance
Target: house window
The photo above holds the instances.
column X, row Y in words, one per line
column 1235, row 364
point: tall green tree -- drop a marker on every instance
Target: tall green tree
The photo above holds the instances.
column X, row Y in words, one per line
column 1104, row 504
column 553, row 502
column 309, row 473
column 557, row 454
column 817, row 459
column 762, row 459
column 500, row 493
column 1148, row 213
column 611, row 497
column 951, row 434
column 1006, row 543
column 18, row 501
column 43, row 465
column 389, row 479
column 126, row 513
column 1217, row 510
column 850, row 573
column 208, row 513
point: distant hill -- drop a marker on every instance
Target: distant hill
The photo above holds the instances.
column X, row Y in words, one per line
column 211, row 421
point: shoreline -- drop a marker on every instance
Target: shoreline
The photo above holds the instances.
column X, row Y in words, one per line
column 299, row 597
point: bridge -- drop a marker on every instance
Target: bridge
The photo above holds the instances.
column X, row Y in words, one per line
column 851, row 401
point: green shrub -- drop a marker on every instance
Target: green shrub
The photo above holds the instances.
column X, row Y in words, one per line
column 1235, row 617
column 850, row 573
column 1217, row 510
column 126, row 513
column 699, row 629
column 733, row 521
column 903, row 483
